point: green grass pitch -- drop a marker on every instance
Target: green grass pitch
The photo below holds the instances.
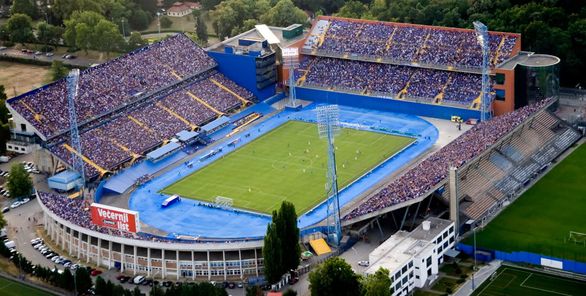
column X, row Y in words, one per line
column 12, row 288
column 510, row 281
column 541, row 219
column 287, row 163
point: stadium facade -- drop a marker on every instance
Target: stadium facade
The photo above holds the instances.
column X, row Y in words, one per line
column 141, row 102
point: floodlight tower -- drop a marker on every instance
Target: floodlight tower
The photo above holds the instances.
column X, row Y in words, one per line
column 328, row 123
column 485, row 101
column 72, row 88
column 291, row 61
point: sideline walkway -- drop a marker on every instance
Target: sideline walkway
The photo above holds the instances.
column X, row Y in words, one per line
column 479, row 277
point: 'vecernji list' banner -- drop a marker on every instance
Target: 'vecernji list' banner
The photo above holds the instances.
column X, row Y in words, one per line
column 117, row 218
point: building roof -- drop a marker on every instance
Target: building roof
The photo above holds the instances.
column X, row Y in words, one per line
column 64, row 177
column 165, row 149
column 254, row 34
column 398, row 250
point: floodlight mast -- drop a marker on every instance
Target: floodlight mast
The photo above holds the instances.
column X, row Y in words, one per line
column 328, row 127
column 72, row 89
column 291, row 61
column 485, row 98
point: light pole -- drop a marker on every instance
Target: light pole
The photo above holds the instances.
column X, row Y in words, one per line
column 159, row 21
column 123, row 30
column 45, row 37
column 474, row 267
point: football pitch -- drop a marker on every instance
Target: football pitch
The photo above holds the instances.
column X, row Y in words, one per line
column 541, row 219
column 12, row 288
column 287, row 163
column 508, row 281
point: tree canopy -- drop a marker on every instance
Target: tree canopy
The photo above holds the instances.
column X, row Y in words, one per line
column 19, row 182
column 90, row 30
column 57, row 71
column 377, row 284
column 28, row 7
column 20, row 28
column 334, row 277
column 283, row 14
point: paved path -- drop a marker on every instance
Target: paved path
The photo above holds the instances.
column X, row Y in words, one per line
column 78, row 61
column 480, row 276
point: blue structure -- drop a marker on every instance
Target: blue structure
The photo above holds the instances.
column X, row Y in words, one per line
column 187, row 136
column 72, row 87
column 242, row 70
column 64, row 181
column 384, row 104
column 165, row 150
column 214, row 125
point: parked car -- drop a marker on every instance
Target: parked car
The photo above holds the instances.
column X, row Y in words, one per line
column 15, row 204
column 137, row 280
column 49, row 54
column 5, row 209
column 363, row 263
column 95, row 272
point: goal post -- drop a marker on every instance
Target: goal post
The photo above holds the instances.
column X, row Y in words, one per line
column 223, row 202
column 578, row 238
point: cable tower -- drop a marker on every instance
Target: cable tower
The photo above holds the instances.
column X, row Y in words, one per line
column 328, row 124
column 485, row 98
column 291, row 61
column 72, row 88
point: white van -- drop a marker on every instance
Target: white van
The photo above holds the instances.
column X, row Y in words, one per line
column 138, row 279
column 10, row 244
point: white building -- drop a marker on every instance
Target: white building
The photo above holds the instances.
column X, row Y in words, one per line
column 413, row 257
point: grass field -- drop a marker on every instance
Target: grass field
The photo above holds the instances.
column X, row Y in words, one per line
column 21, row 77
column 540, row 220
column 287, row 163
column 510, row 281
column 12, row 288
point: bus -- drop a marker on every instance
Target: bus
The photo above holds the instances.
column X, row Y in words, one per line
column 170, row 200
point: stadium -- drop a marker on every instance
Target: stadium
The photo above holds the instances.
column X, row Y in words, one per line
column 185, row 152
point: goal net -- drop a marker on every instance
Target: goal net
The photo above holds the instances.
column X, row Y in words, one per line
column 577, row 238
column 223, row 202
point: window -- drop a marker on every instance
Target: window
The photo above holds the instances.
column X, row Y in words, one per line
column 23, row 127
column 446, row 244
column 404, row 269
column 417, row 276
column 451, row 239
column 404, row 281
column 428, row 261
column 451, row 228
column 445, row 234
column 411, row 275
column 499, row 78
column 429, row 272
column 410, row 264
column 500, row 94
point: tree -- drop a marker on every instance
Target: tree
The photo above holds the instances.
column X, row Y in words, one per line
column 28, row 7
column 353, row 9
column 57, row 71
column 378, row 284
column 135, row 292
column 209, row 4
column 48, row 34
column 89, row 18
column 4, row 133
column 201, row 30
column 288, row 232
column 67, row 280
column 107, row 37
column 65, row 9
column 283, row 14
column 234, row 16
column 2, row 221
column 253, row 291
column 83, row 281
column 166, row 22
column 148, row 5
column 139, row 20
column 272, row 254
column 19, row 182
column 290, row 292
column 135, row 41
column 20, row 28
column 334, row 277
column 100, row 286
column 84, row 38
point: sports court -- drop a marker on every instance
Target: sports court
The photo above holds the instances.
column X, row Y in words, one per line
column 287, row 163
column 511, row 281
column 12, row 288
column 191, row 217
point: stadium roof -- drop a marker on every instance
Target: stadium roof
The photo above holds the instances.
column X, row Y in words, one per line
column 256, row 34
column 166, row 149
column 214, row 124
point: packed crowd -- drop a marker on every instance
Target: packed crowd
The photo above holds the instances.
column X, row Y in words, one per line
column 108, row 86
column 390, row 80
column 134, row 132
column 410, row 43
column 419, row 180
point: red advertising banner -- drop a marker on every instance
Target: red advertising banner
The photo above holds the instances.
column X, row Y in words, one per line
column 116, row 218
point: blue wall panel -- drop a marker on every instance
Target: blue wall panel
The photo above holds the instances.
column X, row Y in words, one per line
column 361, row 101
column 527, row 257
column 242, row 70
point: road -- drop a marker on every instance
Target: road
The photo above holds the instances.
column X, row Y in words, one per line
column 78, row 61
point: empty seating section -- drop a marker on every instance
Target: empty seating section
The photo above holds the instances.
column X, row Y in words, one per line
column 105, row 88
column 406, row 43
column 531, row 149
column 389, row 80
column 432, row 172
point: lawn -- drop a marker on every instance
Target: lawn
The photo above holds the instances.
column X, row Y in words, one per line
column 12, row 288
column 541, row 219
column 19, row 78
column 287, row 163
column 510, row 281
